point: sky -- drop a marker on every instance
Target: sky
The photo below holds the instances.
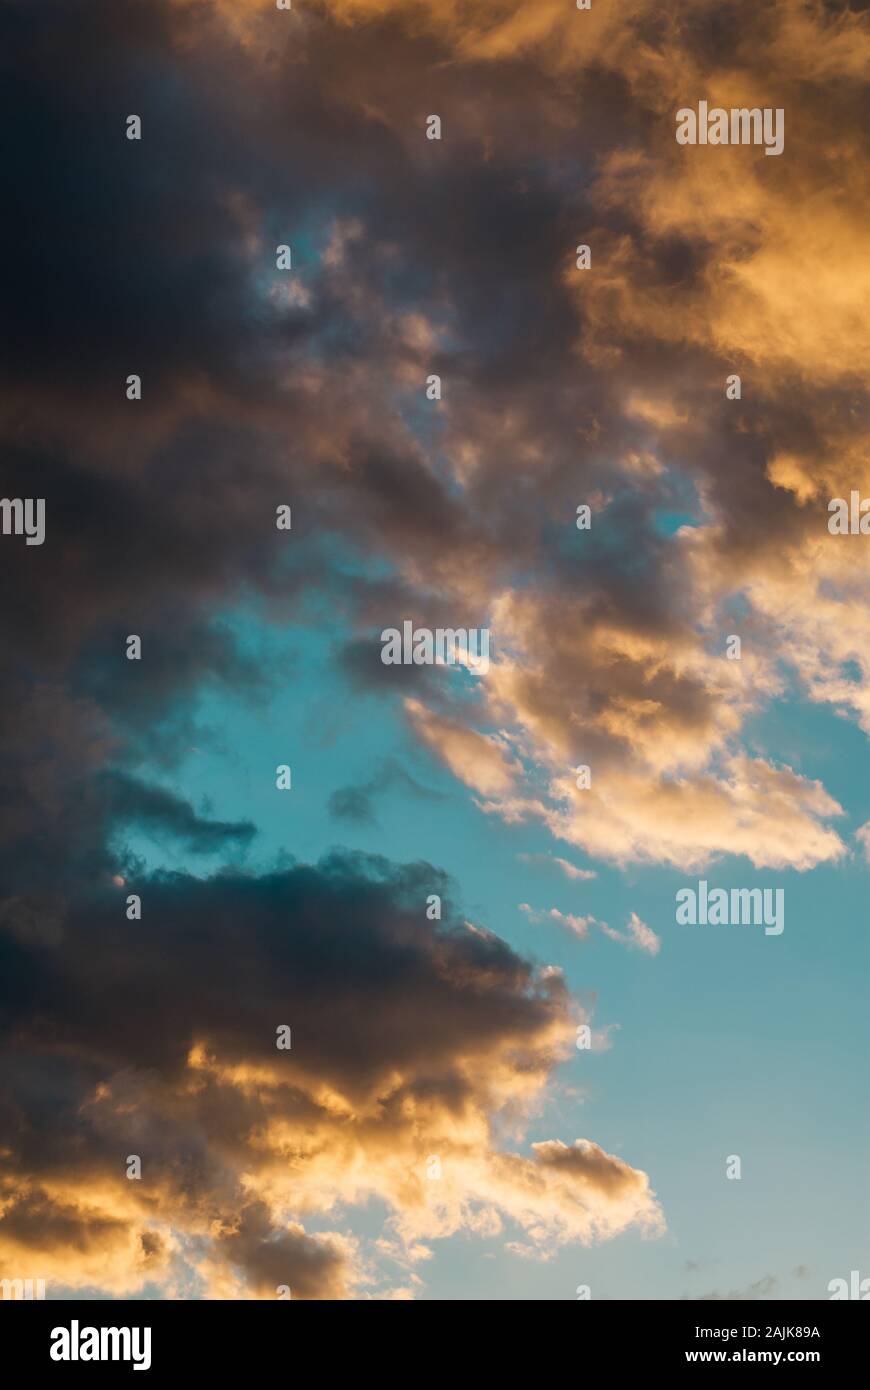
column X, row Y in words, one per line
column 513, row 1071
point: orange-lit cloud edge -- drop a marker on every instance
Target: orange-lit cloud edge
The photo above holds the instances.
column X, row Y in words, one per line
column 781, row 297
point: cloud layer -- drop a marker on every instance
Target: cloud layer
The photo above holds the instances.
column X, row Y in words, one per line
column 408, row 1041
column 261, row 389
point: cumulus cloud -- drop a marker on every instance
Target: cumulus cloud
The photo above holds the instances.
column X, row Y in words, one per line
column 481, row 761
column 561, row 387
column 610, row 653
column 163, row 1044
column 772, row 815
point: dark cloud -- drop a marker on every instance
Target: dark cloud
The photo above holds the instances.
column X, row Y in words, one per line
column 260, row 389
column 269, row 1261
column 159, row 812
column 352, row 804
column 158, row 1039
column 356, row 803
column 261, row 948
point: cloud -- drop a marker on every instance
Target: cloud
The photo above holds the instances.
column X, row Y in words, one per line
column 561, row 387
column 159, row 812
column 568, row 869
column 425, row 1037
column 637, row 933
column 643, row 936
column 481, row 761
column 352, row 804
column 356, row 803
column 249, row 1259
column 862, row 835
column 616, row 637
column 578, row 925
column 688, row 823
column 772, row 815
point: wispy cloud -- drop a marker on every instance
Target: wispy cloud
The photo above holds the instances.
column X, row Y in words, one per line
column 568, row 869
column 637, row 933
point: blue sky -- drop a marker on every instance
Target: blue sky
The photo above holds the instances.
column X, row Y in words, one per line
column 728, row 1042
column 697, row 384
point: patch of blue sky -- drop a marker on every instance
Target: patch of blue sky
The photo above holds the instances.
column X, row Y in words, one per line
column 728, row 1042
column 668, row 523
